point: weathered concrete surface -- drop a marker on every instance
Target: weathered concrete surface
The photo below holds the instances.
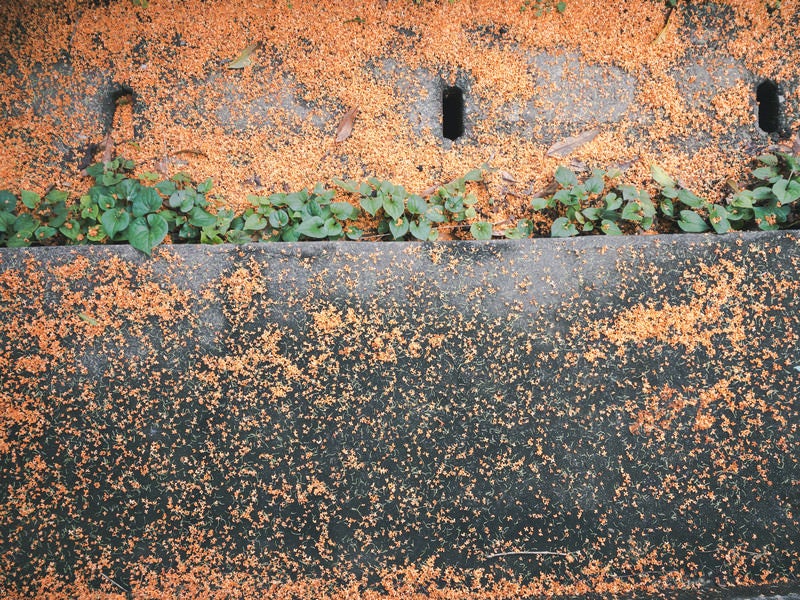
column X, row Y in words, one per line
column 239, row 125
column 335, row 411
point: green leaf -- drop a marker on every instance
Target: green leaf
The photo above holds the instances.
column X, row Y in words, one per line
column 333, row 229
column 180, row 198
column 149, row 176
column 481, row 230
column 762, row 193
column 145, row 201
column 719, row 218
column 20, row 239
column 661, row 177
column 786, row 191
column 769, row 217
column 128, row 189
column 200, row 217
column 44, row 232
column 565, row 177
column 8, row 201
column 255, row 222
column 473, row 175
column 353, row 233
column 399, row 227
column 691, row 222
column 769, row 159
column 278, row 219
column 55, row 196
column 393, row 206
column 344, row 211
column 562, row 227
column 765, row 172
column 742, row 199
column 594, row 185
column 565, row 198
column 206, row 186
column 420, row 228
column 591, row 213
column 95, row 171
column 145, row 233
column 115, row 220
column 667, row 207
column 539, row 203
column 166, row 187
column 6, row 221
column 351, row 185
column 71, row 229
column 59, row 216
column 670, row 192
column 435, row 214
column 648, row 208
column 30, row 199
column 613, row 202
column 416, row 205
column 632, row 212
column 523, row 229
column 237, row 236
column 371, row 204
column 629, row 192
column 313, row 227
column 690, row 199
column 610, row 228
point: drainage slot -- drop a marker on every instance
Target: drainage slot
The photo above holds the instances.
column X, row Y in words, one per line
column 452, row 113
column 769, row 106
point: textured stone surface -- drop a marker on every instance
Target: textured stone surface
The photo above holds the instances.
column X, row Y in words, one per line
column 296, row 411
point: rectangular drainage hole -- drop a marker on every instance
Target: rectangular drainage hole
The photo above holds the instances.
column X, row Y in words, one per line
column 452, row 113
column 769, row 106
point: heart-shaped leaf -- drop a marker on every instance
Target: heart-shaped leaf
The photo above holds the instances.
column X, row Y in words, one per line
column 313, row 227
column 399, row 227
column 691, row 222
column 393, row 206
column 145, row 233
column 481, row 230
column 145, row 201
column 562, row 227
column 114, row 221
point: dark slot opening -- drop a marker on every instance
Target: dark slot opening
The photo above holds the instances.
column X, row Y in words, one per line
column 769, row 106
column 452, row 113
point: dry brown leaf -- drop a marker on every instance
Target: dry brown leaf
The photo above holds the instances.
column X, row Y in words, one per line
column 796, row 144
column 579, row 166
column 108, row 149
column 506, row 176
column 624, row 166
column 243, row 60
column 429, row 191
column 346, row 125
column 162, row 166
column 549, row 190
column 663, row 31
column 566, row 146
column 191, row 151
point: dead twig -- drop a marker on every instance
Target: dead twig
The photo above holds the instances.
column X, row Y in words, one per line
column 530, row 553
column 111, row 581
